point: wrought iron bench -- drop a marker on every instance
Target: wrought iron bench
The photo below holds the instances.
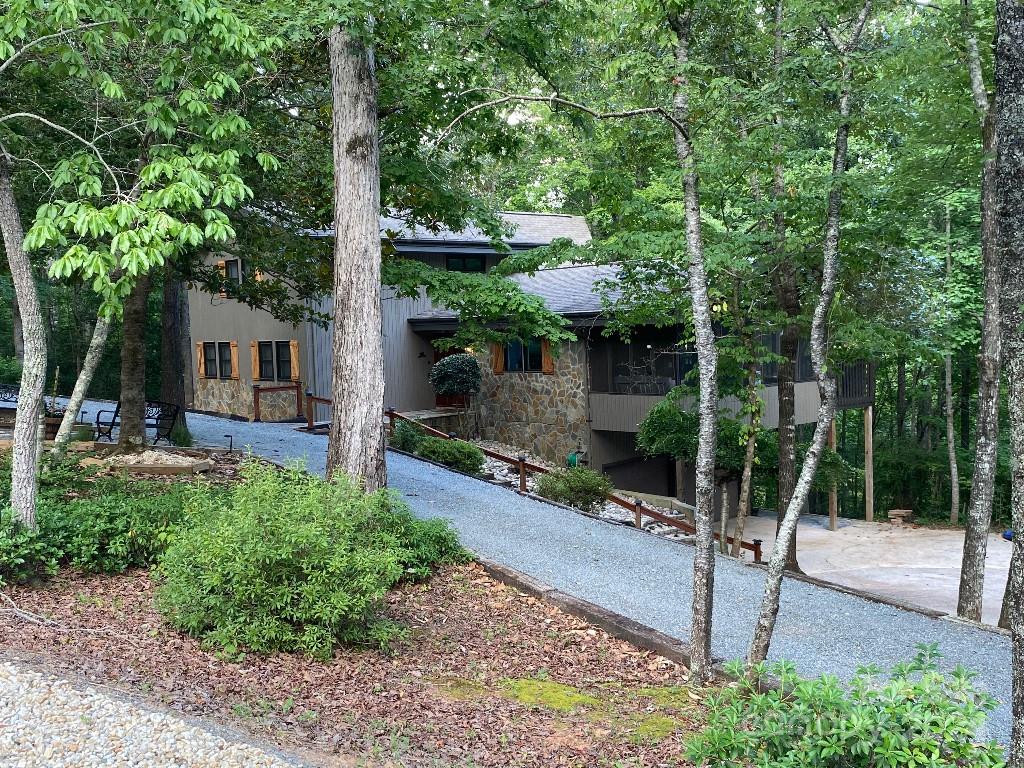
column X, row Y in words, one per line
column 9, row 394
column 160, row 417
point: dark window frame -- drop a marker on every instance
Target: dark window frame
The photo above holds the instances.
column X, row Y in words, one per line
column 460, row 263
column 274, row 356
column 528, row 356
column 216, row 362
column 224, row 359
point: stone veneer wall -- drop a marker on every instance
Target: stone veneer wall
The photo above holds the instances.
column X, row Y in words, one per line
column 234, row 398
column 545, row 414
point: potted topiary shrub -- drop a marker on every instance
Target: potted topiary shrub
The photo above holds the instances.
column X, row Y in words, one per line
column 457, row 376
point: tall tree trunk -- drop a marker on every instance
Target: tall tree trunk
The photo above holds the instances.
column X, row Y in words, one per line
column 901, row 397
column 787, row 294
column 983, row 480
column 954, row 470
column 25, row 458
column 827, row 390
column 97, row 346
column 707, row 365
column 133, row 366
column 1010, row 196
column 356, row 445
column 17, row 332
column 746, row 481
column 173, row 343
column 186, row 351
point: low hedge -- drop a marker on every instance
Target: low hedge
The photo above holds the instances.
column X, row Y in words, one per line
column 578, row 487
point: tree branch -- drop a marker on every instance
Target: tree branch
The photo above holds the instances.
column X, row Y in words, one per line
column 40, row 40
column 554, row 98
column 68, row 132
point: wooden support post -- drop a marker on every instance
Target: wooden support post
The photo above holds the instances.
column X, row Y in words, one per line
column 391, row 421
column 522, row 473
column 298, row 399
column 309, row 410
column 757, row 550
column 869, row 465
column 833, row 493
column 255, row 402
column 638, row 513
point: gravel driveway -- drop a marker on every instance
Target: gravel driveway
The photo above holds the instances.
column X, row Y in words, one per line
column 649, row 579
column 49, row 723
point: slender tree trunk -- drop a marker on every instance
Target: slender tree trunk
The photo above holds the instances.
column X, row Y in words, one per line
column 789, row 350
column 173, row 343
column 769, row 612
column 979, row 506
column 707, row 364
column 901, row 397
column 97, row 346
column 25, row 454
column 743, row 505
column 186, row 350
column 1010, row 196
column 356, row 445
column 954, row 470
column 133, row 366
column 17, row 332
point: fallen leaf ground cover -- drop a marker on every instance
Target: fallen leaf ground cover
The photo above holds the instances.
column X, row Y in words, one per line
column 488, row 676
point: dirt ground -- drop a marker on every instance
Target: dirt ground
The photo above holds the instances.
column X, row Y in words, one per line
column 488, row 677
column 911, row 563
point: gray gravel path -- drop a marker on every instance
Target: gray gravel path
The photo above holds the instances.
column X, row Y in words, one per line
column 649, row 579
column 49, row 723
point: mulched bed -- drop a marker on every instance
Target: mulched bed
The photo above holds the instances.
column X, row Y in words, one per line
column 488, row 677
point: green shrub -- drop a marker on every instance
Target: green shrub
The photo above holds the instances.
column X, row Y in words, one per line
column 457, row 454
column 25, row 555
column 10, row 370
column 919, row 716
column 122, row 525
column 289, row 562
column 578, row 487
column 456, row 375
column 406, row 437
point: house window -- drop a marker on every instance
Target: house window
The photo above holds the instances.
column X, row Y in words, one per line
column 274, row 360
column 524, row 357
column 219, row 360
column 233, row 270
column 466, row 264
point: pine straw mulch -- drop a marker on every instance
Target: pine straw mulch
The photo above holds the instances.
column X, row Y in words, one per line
column 489, row 677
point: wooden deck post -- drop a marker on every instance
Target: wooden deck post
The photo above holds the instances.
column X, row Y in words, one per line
column 309, row 410
column 869, row 464
column 833, row 494
column 522, row 473
column 298, row 399
column 255, row 402
column 391, row 421
column 638, row 513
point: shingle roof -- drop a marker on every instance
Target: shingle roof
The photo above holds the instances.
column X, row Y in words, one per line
column 570, row 290
column 528, row 229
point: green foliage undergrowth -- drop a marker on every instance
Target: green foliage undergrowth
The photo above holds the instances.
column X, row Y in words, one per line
column 457, row 454
column 579, row 487
column 919, row 716
column 10, row 370
column 289, row 562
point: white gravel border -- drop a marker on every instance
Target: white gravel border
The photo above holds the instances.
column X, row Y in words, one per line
column 46, row 722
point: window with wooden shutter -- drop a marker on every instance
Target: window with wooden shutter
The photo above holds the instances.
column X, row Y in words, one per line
column 234, row 360
column 199, row 360
column 222, row 267
column 547, row 362
column 497, row 358
column 293, row 353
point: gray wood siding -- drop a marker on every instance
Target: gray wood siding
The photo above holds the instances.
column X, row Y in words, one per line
column 623, row 413
column 407, row 356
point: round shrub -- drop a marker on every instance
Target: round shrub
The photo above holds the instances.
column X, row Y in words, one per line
column 579, row 487
column 918, row 717
column 406, row 437
column 457, row 454
column 456, row 375
column 289, row 562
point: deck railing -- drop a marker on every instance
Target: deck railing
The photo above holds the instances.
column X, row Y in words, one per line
column 259, row 389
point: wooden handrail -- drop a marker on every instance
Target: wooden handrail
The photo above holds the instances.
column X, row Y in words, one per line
column 636, row 507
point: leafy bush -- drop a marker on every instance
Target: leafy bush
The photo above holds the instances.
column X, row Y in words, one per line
column 10, row 370
column 578, row 487
column 406, row 437
column 456, row 375
column 919, row 716
column 459, row 455
column 25, row 555
column 293, row 563
column 120, row 526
